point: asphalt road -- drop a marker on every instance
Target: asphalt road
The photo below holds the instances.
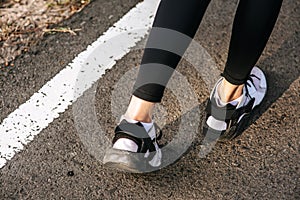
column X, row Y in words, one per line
column 263, row 163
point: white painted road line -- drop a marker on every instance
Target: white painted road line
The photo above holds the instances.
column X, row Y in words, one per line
column 20, row 127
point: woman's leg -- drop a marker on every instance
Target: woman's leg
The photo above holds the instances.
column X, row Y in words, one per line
column 136, row 134
column 177, row 16
column 253, row 24
column 243, row 86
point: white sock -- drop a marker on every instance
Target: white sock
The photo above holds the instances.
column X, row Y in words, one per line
column 233, row 102
column 147, row 126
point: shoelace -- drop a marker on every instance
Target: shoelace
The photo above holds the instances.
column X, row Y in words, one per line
column 250, row 78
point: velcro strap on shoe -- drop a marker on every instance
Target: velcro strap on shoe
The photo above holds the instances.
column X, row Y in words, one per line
column 144, row 144
column 220, row 113
column 136, row 130
column 120, row 135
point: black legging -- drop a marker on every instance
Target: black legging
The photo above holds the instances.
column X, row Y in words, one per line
column 252, row 26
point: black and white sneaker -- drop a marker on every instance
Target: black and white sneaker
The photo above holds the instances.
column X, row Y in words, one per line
column 134, row 149
column 226, row 121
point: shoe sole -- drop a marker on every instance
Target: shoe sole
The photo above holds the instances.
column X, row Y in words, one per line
column 127, row 161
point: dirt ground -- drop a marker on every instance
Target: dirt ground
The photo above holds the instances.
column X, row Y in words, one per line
column 22, row 22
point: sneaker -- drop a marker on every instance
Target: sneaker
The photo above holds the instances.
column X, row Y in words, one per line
column 133, row 148
column 226, row 121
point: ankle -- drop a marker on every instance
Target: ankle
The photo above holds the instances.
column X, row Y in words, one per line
column 229, row 92
column 140, row 117
column 140, row 110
